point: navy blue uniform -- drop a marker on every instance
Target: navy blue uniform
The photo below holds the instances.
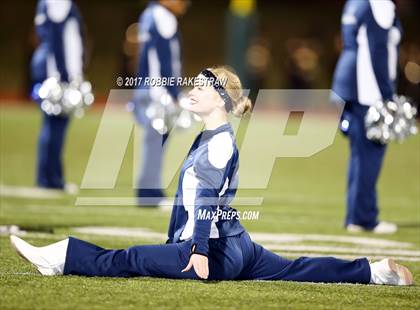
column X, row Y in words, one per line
column 208, row 182
column 159, row 58
column 59, row 55
column 365, row 73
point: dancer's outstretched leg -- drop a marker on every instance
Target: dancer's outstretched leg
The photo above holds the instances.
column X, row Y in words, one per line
column 77, row 257
column 265, row 265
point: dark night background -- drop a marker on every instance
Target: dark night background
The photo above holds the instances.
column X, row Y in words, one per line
column 299, row 42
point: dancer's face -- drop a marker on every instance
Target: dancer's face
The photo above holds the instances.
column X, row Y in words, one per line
column 204, row 99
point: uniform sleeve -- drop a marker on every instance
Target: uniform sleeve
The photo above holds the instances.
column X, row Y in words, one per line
column 57, row 12
column 73, row 49
column 165, row 56
column 209, row 169
column 66, row 40
column 166, row 27
column 40, row 21
column 378, row 26
column 58, row 50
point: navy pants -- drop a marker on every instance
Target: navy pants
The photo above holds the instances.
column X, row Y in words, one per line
column 231, row 258
column 365, row 164
column 50, row 149
column 149, row 184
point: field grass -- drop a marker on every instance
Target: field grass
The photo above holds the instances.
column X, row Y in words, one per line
column 304, row 196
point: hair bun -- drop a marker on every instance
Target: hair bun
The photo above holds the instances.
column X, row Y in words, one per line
column 240, row 103
column 242, row 106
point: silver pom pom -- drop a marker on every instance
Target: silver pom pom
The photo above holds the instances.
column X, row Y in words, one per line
column 393, row 120
column 165, row 115
column 60, row 98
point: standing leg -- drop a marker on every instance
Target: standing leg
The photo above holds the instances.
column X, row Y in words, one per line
column 365, row 164
column 351, row 172
column 57, row 137
column 149, row 187
column 43, row 152
column 150, row 178
column 166, row 260
column 50, row 147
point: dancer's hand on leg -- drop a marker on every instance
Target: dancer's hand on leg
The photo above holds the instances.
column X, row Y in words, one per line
column 200, row 264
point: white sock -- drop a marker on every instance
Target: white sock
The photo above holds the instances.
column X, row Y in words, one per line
column 55, row 254
column 381, row 273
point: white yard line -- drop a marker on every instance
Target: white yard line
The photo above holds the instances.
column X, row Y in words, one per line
column 143, row 233
column 374, row 242
column 29, row 192
column 20, row 274
column 132, row 201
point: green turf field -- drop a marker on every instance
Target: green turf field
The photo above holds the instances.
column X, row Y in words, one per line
column 304, row 196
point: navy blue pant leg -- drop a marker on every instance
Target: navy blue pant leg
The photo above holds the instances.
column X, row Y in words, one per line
column 365, row 163
column 230, row 258
column 50, row 149
column 262, row 264
column 164, row 260
column 225, row 258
